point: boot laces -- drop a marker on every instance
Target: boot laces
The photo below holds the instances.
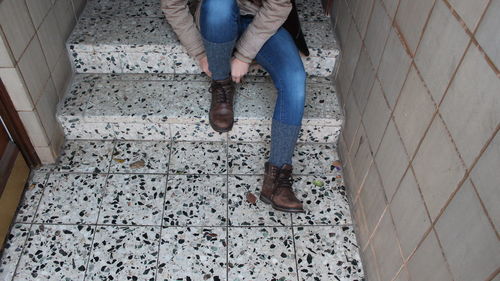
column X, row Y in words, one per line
column 284, row 180
column 221, row 91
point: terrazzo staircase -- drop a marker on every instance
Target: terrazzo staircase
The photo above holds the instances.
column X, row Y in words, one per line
column 134, row 81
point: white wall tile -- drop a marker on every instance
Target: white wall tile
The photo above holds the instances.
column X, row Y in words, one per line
column 6, row 59
column 469, row 11
column 16, row 25
column 441, row 49
column 486, row 177
column 51, row 39
column 471, row 108
column 34, row 69
column 386, row 247
column 437, row 167
column 11, row 78
column 376, row 116
column 428, row 262
column 469, row 242
column 46, row 108
column 34, row 128
column 62, row 75
column 411, row 17
column 488, row 33
column 65, row 16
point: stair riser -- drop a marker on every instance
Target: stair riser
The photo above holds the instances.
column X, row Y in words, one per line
column 76, row 129
column 163, row 62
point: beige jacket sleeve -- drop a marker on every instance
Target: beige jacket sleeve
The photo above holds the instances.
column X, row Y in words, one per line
column 266, row 22
column 179, row 17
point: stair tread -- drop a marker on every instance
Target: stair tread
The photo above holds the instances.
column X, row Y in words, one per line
column 134, row 37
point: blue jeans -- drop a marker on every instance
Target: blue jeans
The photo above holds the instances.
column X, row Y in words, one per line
column 221, row 25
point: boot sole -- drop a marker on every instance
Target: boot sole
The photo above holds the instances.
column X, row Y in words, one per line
column 279, row 208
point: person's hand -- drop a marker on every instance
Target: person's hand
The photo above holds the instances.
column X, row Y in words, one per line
column 238, row 69
column 203, row 62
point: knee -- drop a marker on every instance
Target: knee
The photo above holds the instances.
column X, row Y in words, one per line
column 218, row 12
column 295, row 84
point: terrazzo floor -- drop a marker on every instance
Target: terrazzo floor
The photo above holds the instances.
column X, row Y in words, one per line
column 179, row 210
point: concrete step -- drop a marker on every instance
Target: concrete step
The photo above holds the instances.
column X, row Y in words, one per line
column 175, row 106
column 115, row 36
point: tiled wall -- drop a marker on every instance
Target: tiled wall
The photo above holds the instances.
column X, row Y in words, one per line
column 420, row 86
column 34, row 64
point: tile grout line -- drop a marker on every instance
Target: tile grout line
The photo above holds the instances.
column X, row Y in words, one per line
column 25, row 244
column 227, row 207
column 91, row 250
column 167, row 176
column 294, row 248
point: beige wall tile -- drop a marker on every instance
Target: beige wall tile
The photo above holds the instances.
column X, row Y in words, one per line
column 343, row 22
column 372, row 197
column 469, row 242
column 386, row 247
column 38, row 9
column 391, row 6
column 78, row 6
column 403, row 275
column 34, row 69
column 473, row 103
column 352, row 121
column 11, row 78
column 361, row 155
column 391, row 160
column 51, row 39
column 441, row 49
column 62, row 74
column 488, row 33
column 377, row 33
column 370, row 265
column 393, row 68
column 469, row 11
column 362, row 15
column 46, row 154
column 376, row 116
column 34, row 128
column 350, row 56
column 363, row 80
column 65, row 16
column 437, row 167
column 414, row 111
column 6, row 59
column 16, row 25
column 428, row 262
column 46, row 108
column 410, row 217
column 486, row 178
column 411, row 18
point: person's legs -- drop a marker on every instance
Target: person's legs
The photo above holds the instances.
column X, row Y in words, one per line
column 280, row 57
column 219, row 29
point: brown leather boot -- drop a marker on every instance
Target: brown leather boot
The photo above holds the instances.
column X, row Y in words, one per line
column 277, row 189
column 221, row 113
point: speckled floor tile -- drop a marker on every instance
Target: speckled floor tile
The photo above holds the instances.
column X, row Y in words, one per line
column 196, row 200
column 71, row 199
column 254, row 101
column 243, row 211
column 311, row 11
column 322, row 106
column 86, row 156
column 141, row 131
column 124, row 253
column 250, row 133
column 315, row 159
column 327, row 253
column 319, row 134
column 198, row 158
column 31, row 197
column 148, row 62
column 192, row 253
column 140, row 157
column 76, row 129
column 14, row 244
column 261, row 254
column 247, row 158
column 196, row 132
column 325, row 201
column 99, row 62
column 55, row 252
column 133, row 200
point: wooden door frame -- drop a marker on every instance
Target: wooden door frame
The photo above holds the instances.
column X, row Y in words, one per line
column 16, row 130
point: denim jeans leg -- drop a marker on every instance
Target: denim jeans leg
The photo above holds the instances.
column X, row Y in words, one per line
column 219, row 29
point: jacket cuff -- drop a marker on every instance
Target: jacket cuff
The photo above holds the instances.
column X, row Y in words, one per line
column 241, row 57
